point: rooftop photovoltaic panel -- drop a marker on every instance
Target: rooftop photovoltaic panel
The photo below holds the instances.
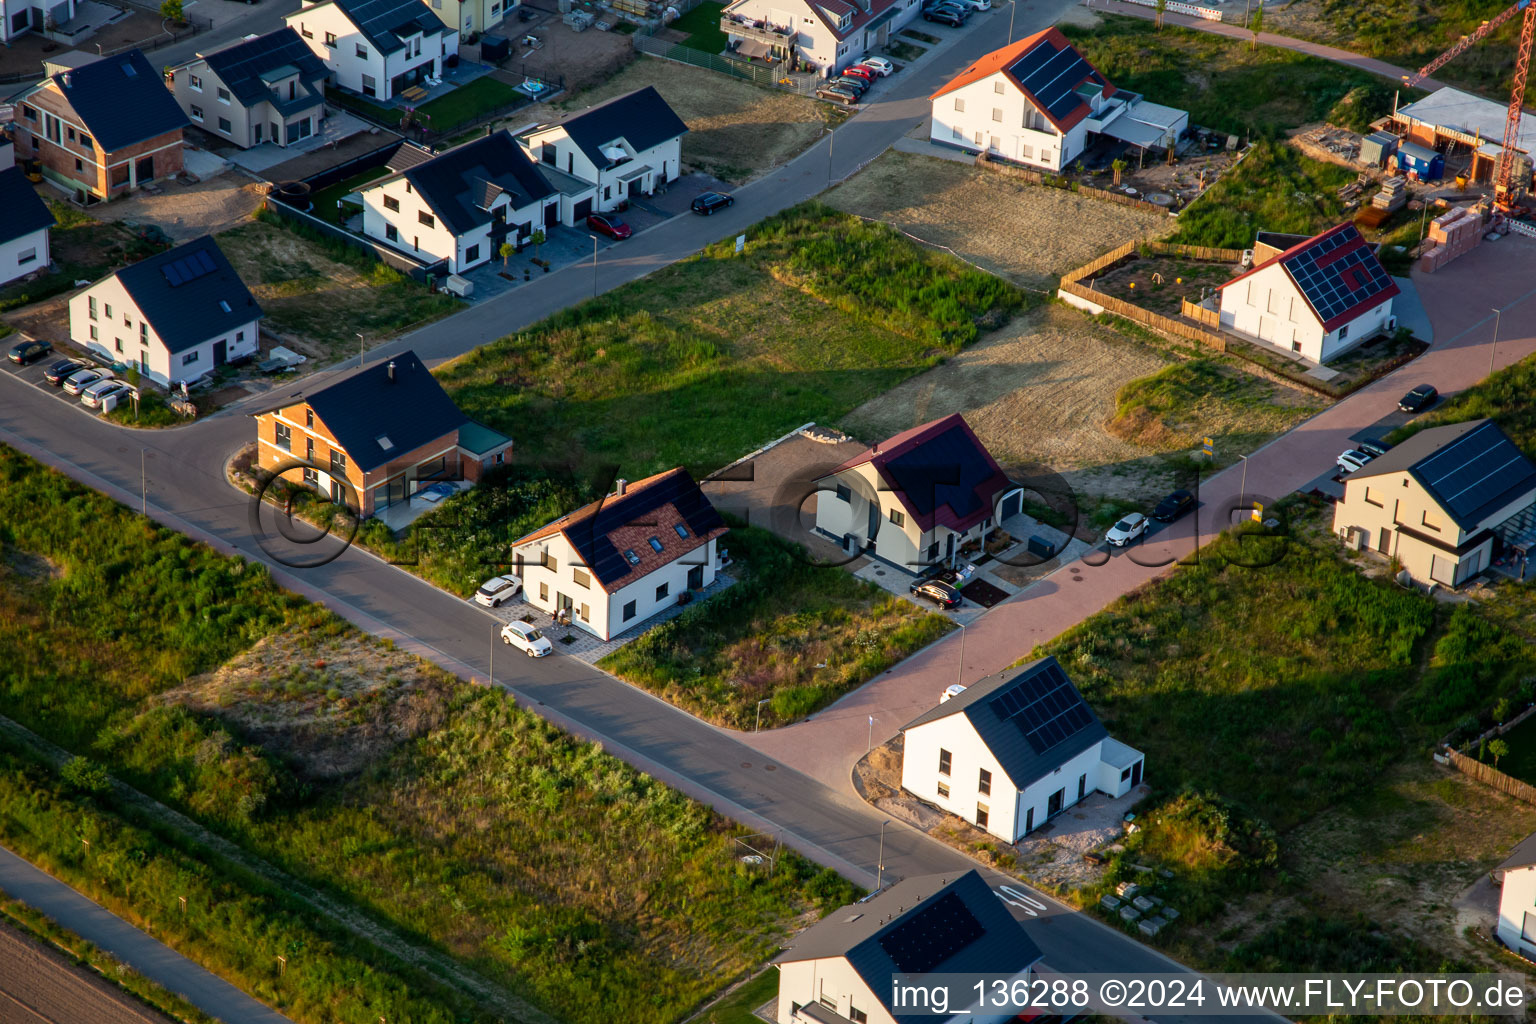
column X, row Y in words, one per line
column 1044, row 707
column 945, row 470
column 1052, row 77
column 932, row 935
column 1481, row 465
column 1336, row 281
column 188, row 268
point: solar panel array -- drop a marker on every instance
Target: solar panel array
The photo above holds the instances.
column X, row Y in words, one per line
column 1045, row 707
column 1052, row 76
column 946, row 469
column 1320, row 271
column 931, row 935
column 242, row 67
column 188, row 268
column 1480, row 466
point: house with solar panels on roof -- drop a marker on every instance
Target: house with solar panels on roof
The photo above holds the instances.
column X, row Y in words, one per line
column 1317, row 300
column 1040, row 103
column 376, row 48
column 1014, row 750
column 916, row 499
column 1446, row 503
column 840, row 970
column 609, row 566
column 174, row 317
column 262, row 89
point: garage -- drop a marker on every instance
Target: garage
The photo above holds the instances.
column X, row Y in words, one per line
column 1011, row 505
column 582, row 210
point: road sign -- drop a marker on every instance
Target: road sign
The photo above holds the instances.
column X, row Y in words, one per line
column 741, row 243
column 1208, row 446
column 1258, row 512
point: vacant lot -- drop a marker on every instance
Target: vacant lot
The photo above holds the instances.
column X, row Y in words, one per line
column 83, row 249
column 317, row 294
column 1274, row 188
column 1159, row 283
column 1027, row 233
column 186, row 212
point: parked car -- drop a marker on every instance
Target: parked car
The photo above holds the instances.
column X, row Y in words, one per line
column 1419, row 399
column 96, row 396
column 709, row 202
column 837, row 93
column 941, row 594
column 869, row 74
column 979, row 5
column 880, row 65
column 1352, row 459
column 61, row 370
column 951, row 691
column 29, row 352
column 945, row 16
column 1375, row 449
column 1174, row 506
column 527, row 639
column 83, row 379
column 494, row 591
column 1127, row 529
column 608, row 224
column 854, row 82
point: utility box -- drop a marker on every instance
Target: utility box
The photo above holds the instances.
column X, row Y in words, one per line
column 456, row 285
column 1376, row 147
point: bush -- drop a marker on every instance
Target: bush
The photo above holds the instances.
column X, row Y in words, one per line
column 85, row 776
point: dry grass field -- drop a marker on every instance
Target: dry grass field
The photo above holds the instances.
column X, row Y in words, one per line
column 1029, row 234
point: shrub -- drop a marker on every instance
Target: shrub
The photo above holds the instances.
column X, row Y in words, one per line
column 85, row 776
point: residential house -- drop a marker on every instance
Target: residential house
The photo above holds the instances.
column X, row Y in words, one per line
column 376, row 47
column 1014, row 750
column 461, row 206
column 24, row 228
column 828, row 34
column 615, row 563
column 1318, row 299
column 840, row 969
column 269, row 88
column 1445, row 503
column 103, row 128
column 1041, row 103
column 609, row 153
column 18, row 17
column 914, row 500
column 374, row 438
column 1517, row 899
column 174, row 317
column 468, row 16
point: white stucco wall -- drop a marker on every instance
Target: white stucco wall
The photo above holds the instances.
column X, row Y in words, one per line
column 121, row 338
column 21, row 256
column 1007, row 123
column 312, row 23
column 968, row 757
column 1517, row 911
column 1268, row 306
column 424, row 241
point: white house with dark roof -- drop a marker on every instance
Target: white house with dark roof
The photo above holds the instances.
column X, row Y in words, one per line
column 1318, row 299
column 375, row 47
column 269, row 88
column 620, row 149
column 174, row 316
column 470, row 16
column 24, row 228
column 18, row 17
column 1014, row 750
column 840, row 969
column 914, row 500
column 462, row 205
column 613, row 564
column 1445, row 503
column 830, row 34
column 1041, row 103
column 1517, row 899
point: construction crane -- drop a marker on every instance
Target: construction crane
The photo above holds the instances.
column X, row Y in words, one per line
column 1505, row 191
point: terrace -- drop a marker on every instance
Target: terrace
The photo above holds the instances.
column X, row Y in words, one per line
column 756, row 30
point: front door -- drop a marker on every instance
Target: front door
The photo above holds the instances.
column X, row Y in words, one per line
column 219, row 352
column 1136, row 775
column 1029, row 821
column 1082, row 786
column 1384, row 545
column 144, row 170
column 696, row 577
column 1054, row 805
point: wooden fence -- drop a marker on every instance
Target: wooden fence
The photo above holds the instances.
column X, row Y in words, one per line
column 1198, row 313
column 1491, row 776
column 1054, row 181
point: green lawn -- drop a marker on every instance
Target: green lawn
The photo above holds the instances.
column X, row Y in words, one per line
column 703, row 27
column 478, row 98
column 325, row 199
column 83, row 249
column 737, row 1007
column 1520, row 762
column 1274, row 188
column 703, row 360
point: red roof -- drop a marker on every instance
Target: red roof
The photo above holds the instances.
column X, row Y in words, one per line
column 1336, row 272
column 1016, row 60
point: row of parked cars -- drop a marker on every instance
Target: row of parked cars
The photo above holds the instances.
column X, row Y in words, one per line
column 850, row 86
column 97, row 387
column 953, row 12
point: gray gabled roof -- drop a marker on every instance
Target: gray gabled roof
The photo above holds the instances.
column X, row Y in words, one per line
column 120, row 100
column 245, row 68
column 461, row 184
column 385, row 23
column 1522, row 856
column 952, row 924
column 1471, row 469
column 190, row 293
column 1032, row 719
column 384, row 411
column 25, row 211
column 641, row 118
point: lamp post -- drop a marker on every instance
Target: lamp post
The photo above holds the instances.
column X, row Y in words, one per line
column 143, row 484
column 1242, row 490
column 1495, row 346
column 493, row 654
column 594, row 266
column 870, row 740
column 360, row 350
column 831, row 138
column 960, row 665
column 759, row 724
column 880, row 864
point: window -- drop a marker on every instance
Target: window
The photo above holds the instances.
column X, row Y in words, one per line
column 118, row 340
column 283, row 436
column 981, row 815
column 309, row 449
column 978, row 138
column 95, row 337
column 997, row 114
column 224, row 96
column 681, row 530
column 543, row 591
column 225, row 126
column 1374, row 498
column 143, row 333
column 28, row 255
column 586, row 613
column 472, row 254
column 944, row 790
column 997, row 86
column 1344, row 332
column 28, row 113
column 362, row 51
column 69, row 133
column 1045, row 156
column 607, row 192
column 85, row 140
column 944, row 761
column 898, row 517
column 655, row 544
column 843, row 493
column 551, row 562
column 392, row 204
column 629, row 611
column 90, row 306
column 426, row 218
column 338, row 463
column 391, row 233
column 959, row 105
column 661, row 592
column 197, row 112
column 631, row 557
column 109, row 311
column 330, row 39
column 79, row 165
column 581, row 579
column 311, row 477
column 984, row 783
column 1125, row 775
column 956, row 133
column 1428, row 523
column 190, row 358
column 305, row 32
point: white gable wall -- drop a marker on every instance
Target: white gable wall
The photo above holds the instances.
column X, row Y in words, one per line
column 348, row 69
column 425, row 241
column 968, row 756
column 1517, row 911
column 977, row 117
column 22, row 256
column 126, row 337
column 1268, row 306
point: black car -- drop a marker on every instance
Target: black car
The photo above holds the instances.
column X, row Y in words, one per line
column 709, row 202
column 858, row 85
column 1174, row 506
column 945, row 16
column 1419, row 399
column 941, row 594
column 1375, row 449
column 29, row 352
column 60, row 371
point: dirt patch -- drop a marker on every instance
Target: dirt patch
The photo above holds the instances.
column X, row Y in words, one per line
column 46, row 321
column 1158, row 283
column 186, row 212
column 584, row 59
column 330, row 706
column 1026, row 232
column 31, row 566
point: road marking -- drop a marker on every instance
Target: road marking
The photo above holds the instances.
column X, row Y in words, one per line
column 1025, row 902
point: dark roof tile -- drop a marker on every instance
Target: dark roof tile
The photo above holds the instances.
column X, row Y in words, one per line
column 183, row 293
column 1471, row 469
column 642, row 118
column 460, row 183
column 241, row 67
column 406, row 406
column 25, row 211
column 121, row 100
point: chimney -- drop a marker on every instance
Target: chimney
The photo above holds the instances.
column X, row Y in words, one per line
column 391, row 369
column 490, row 130
column 621, row 487
column 67, row 81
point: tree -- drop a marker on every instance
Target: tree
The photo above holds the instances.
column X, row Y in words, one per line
column 537, row 238
column 1498, row 748
column 506, row 250
column 1256, row 25
column 1501, row 710
column 1161, row 5
column 1118, row 167
column 172, row 10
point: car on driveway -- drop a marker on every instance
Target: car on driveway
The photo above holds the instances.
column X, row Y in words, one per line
column 869, row 74
column 860, row 86
column 1375, row 449
column 1174, row 506
column 1419, row 399
column 28, row 352
column 709, row 202
column 979, row 5
column 1352, row 459
column 526, row 638
column 941, row 594
column 96, row 396
column 608, row 224
column 945, row 16
column 83, row 379
column 60, row 371
column 495, row 591
column 837, row 93
column 879, row 65
column 1127, row 529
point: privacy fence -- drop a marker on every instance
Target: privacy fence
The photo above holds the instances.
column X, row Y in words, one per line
column 1072, row 285
column 772, row 78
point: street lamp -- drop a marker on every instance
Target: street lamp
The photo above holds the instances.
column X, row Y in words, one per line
column 880, row 864
column 960, row 665
column 831, row 138
column 494, row 638
column 594, row 265
column 1495, row 346
column 359, row 350
column 760, row 704
column 1242, row 490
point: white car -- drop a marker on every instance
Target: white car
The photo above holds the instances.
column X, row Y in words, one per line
column 82, row 379
column 1352, row 459
column 495, row 591
column 881, row 66
column 978, row 5
column 96, row 394
column 526, row 639
column 951, row 691
column 1127, row 529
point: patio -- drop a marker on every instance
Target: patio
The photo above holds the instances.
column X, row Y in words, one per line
column 456, row 77
column 402, row 514
column 336, row 127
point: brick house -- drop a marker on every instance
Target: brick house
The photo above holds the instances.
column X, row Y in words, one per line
column 102, row 129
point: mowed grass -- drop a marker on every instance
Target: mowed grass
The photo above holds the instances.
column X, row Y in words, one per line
column 704, row 360
column 1274, row 188
column 703, row 27
column 325, row 199
column 551, row 868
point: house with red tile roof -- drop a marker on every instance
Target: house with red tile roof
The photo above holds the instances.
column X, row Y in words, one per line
column 1040, row 103
column 1318, row 299
column 615, row 563
column 830, row 34
column 915, row 499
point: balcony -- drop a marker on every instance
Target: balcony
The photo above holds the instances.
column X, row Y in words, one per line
column 759, row 30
